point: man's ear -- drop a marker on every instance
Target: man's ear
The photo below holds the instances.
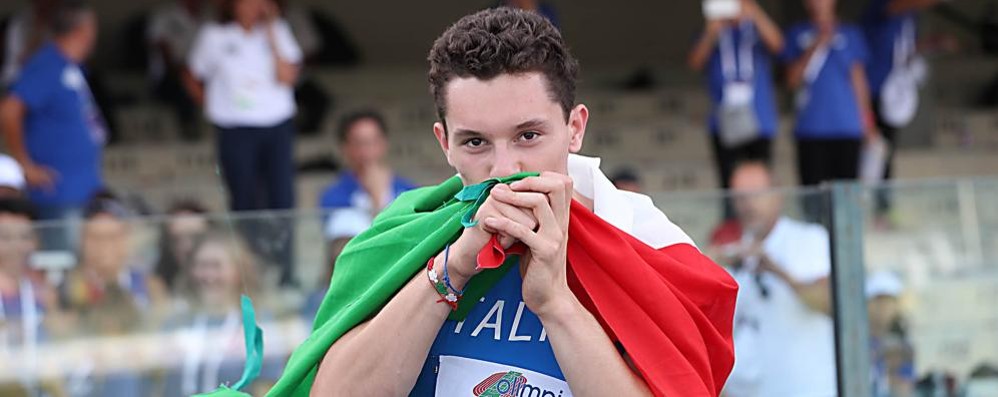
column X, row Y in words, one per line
column 577, row 121
column 440, row 132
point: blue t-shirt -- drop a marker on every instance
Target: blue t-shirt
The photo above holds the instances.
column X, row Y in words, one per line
column 761, row 74
column 832, row 111
column 501, row 332
column 62, row 128
column 882, row 31
column 350, row 207
column 344, row 192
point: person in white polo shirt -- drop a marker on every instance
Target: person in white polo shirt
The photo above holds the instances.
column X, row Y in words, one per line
column 784, row 339
column 244, row 70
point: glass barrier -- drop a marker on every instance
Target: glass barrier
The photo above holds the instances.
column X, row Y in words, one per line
column 112, row 306
column 932, row 288
column 777, row 246
column 149, row 306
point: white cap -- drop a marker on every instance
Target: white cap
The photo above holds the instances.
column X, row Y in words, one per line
column 11, row 174
column 883, row 283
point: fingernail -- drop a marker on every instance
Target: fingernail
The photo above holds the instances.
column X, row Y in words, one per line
column 516, row 184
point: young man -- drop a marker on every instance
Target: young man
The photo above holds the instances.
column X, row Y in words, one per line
column 602, row 296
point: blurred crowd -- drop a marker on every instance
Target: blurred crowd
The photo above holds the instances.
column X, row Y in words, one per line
column 68, row 262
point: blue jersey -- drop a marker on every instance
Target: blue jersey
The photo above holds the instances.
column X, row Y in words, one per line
column 500, row 349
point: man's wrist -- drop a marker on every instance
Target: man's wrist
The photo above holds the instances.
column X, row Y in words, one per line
column 561, row 308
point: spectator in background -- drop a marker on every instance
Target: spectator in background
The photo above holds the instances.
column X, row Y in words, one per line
column 245, row 69
column 736, row 55
column 51, row 123
column 540, row 7
column 185, row 224
column 783, row 332
column 368, row 184
column 826, row 69
column 627, row 179
column 894, row 70
column 171, row 33
column 109, row 295
column 27, row 31
column 11, row 178
column 25, row 297
column 893, row 358
column 222, row 268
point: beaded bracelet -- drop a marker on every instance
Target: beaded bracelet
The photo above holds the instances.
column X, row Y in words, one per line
column 446, row 296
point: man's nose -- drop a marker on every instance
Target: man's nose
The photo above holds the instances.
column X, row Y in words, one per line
column 505, row 163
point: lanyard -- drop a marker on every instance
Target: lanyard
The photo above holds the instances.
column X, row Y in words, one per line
column 29, row 317
column 196, row 348
column 729, row 66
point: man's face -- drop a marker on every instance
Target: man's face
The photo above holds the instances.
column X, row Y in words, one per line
column 821, row 11
column 105, row 244
column 17, row 241
column 507, row 125
column 365, row 144
column 756, row 204
column 88, row 33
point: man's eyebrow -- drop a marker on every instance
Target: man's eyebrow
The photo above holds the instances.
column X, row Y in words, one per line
column 530, row 124
column 463, row 133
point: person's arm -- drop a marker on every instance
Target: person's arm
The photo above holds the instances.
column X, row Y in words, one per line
column 586, row 355
column 704, row 46
column 287, row 69
column 287, row 72
column 12, row 112
column 405, row 328
column 815, row 294
column 902, row 6
column 193, row 86
column 797, row 68
column 770, row 33
column 861, row 88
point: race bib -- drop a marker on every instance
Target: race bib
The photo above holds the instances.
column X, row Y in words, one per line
column 465, row 377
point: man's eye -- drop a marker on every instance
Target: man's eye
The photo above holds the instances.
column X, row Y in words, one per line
column 529, row 135
column 475, row 142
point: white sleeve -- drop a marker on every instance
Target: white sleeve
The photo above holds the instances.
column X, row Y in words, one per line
column 347, row 223
column 812, row 258
column 287, row 46
column 200, row 61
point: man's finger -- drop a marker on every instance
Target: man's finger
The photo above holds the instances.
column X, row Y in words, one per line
column 515, row 230
column 537, row 202
column 557, row 186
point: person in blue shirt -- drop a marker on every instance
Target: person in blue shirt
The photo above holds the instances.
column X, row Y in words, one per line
column 826, row 61
column 51, row 123
column 890, row 29
column 368, row 184
column 735, row 56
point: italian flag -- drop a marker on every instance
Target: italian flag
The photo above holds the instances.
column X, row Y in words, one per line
column 654, row 292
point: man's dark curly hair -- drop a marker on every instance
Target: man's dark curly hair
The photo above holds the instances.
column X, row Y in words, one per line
column 499, row 41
